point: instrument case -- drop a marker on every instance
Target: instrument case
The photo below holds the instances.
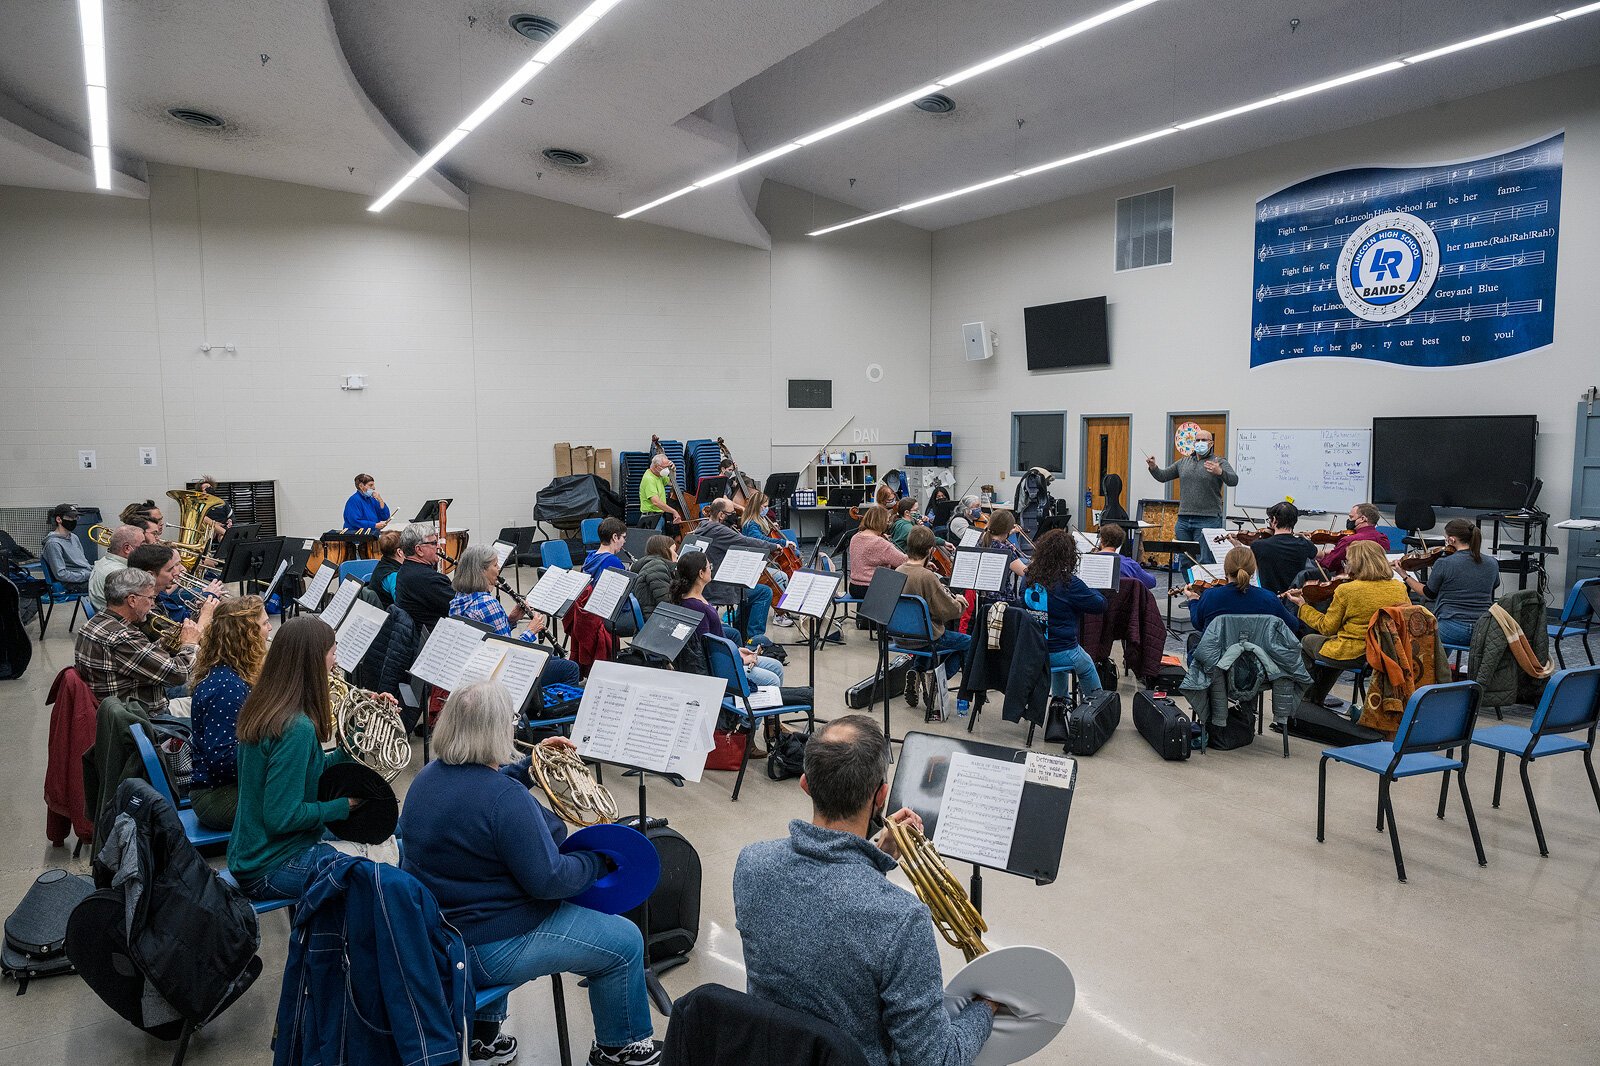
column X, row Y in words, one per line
column 868, row 691
column 1091, row 723
column 675, row 903
column 1162, row 724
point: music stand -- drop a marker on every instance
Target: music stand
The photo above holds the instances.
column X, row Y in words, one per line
column 230, row 540
column 883, row 596
column 248, row 562
column 297, row 553
column 663, row 635
column 810, row 594
column 431, row 510
column 1048, row 522
column 779, row 488
column 637, row 543
column 610, row 575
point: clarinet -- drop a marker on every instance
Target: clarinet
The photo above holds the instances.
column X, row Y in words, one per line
column 543, row 633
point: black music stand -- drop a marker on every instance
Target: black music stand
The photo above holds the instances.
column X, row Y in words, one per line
column 661, row 636
column 1188, row 549
column 883, row 596
column 1042, row 812
column 253, row 561
column 637, row 543
column 297, row 553
column 230, row 540
column 778, row 489
column 430, row 511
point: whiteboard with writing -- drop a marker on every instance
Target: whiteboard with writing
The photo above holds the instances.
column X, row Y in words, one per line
column 1322, row 469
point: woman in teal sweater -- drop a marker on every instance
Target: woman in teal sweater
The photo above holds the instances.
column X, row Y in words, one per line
column 277, row 847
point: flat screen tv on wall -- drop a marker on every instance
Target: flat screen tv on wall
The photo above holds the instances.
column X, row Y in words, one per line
column 1475, row 461
column 1067, row 335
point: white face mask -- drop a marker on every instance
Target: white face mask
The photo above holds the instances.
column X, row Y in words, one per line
column 1202, row 448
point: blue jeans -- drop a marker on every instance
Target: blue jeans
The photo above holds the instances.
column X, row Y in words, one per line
column 1190, row 526
column 606, row 948
column 765, row 672
column 1453, row 632
column 289, row 881
column 1081, row 664
column 751, row 618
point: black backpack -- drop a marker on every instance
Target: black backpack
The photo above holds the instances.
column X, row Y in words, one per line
column 675, row 904
column 786, row 755
column 36, row 932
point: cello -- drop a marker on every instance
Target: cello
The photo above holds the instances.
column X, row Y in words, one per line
column 741, row 486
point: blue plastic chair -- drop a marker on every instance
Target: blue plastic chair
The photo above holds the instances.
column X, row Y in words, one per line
column 555, row 553
column 636, row 611
column 1576, row 617
column 58, row 594
column 1437, row 718
column 1571, row 703
column 260, row 906
column 482, row 997
column 88, row 610
column 1396, row 535
column 200, row 836
column 589, row 531
column 910, row 632
column 360, row 569
column 723, row 660
column 842, row 600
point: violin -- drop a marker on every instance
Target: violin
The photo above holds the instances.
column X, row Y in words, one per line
column 1328, row 536
column 1247, row 537
column 1411, row 562
column 1318, row 593
column 1198, row 586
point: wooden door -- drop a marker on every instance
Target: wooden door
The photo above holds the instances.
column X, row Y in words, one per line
column 1105, row 451
column 1215, row 421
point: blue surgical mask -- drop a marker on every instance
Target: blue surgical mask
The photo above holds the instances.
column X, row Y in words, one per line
column 1202, row 448
column 369, row 493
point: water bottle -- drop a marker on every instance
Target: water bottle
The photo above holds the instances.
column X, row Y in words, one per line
column 962, row 707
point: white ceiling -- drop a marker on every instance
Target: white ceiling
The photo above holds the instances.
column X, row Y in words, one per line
column 665, row 91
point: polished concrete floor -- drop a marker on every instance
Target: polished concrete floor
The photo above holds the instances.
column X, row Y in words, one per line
column 1203, row 922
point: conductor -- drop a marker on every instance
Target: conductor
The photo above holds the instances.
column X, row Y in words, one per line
column 1201, row 476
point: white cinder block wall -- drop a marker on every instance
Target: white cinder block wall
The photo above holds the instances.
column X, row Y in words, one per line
column 484, row 336
column 1180, row 333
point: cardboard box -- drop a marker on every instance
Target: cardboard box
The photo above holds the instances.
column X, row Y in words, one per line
column 563, row 457
column 603, row 464
column 583, row 459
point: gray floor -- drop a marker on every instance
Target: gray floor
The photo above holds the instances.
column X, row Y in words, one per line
column 1204, row 923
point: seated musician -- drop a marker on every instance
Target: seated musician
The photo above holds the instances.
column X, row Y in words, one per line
column 717, row 527
column 691, row 574
column 753, row 522
column 613, row 539
column 63, row 553
column 655, row 573
column 114, row 656
column 226, row 665
column 165, row 565
column 902, row 521
column 1112, row 538
column 1363, row 526
column 1340, row 629
column 654, row 492
column 968, row 513
column 1281, row 556
column 885, row 496
column 219, row 516
column 871, row 548
column 419, row 589
column 365, row 509
column 1055, row 559
column 474, row 580
column 940, row 509
column 871, row 966
column 487, row 850
column 382, row 581
column 123, row 540
column 944, row 609
column 1238, row 596
column 1460, row 586
column 1002, row 524
column 145, row 512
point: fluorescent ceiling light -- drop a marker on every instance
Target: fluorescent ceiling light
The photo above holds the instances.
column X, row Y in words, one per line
column 657, row 203
column 566, row 38
column 992, row 63
column 92, row 21
column 1232, row 112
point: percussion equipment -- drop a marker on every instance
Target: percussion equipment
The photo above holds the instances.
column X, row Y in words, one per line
column 368, row 728
column 638, row 867
column 575, row 795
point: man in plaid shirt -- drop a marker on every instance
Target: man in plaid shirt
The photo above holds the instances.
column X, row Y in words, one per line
column 115, row 659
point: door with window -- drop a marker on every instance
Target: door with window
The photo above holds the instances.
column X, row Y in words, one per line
column 1215, row 421
column 1105, row 451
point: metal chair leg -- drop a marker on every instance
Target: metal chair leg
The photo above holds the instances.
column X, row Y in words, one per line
column 183, row 1044
column 1499, row 773
column 1380, row 812
column 1322, row 794
column 563, row 1040
column 1394, row 834
column 1472, row 821
column 744, row 762
column 1533, row 808
column 1594, row 783
column 1444, row 791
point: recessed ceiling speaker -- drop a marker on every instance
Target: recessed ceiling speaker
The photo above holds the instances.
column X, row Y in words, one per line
column 978, row 341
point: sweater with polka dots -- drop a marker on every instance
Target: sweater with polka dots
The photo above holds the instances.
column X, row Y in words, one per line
column 215, row 710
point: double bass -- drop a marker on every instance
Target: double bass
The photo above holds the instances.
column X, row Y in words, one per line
column 741, row 486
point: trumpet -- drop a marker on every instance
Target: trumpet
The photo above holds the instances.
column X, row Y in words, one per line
column 369, row 729
column 954, row 916
column 575, row 795
column 166, row 632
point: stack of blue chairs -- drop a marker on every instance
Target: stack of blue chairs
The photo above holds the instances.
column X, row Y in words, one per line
column 674, row 450
column 633, row 466
column 704, row 458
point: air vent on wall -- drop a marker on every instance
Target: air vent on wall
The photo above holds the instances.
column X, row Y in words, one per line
column 1144, row 230
column 199, row 119
column 810, row 393
column 535, row 27
column 565, row 157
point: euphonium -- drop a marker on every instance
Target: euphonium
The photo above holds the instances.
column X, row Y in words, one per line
column 369, row 729
column 575, row 795
column 954, row 916
column 194, row 532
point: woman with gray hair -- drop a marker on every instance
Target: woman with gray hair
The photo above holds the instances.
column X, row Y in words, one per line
column 474, row 580
column 489, row 852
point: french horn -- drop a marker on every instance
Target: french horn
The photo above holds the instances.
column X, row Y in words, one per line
column 368, row 729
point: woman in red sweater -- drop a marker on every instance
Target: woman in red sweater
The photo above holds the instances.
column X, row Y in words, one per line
column 871, row 548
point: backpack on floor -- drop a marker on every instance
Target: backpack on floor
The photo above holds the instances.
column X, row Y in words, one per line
column 675, row 904
column 1238, row 733
column 36, row 932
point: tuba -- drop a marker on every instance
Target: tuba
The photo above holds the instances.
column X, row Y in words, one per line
column 575, row 795
column 194, row 534
column 369, row 730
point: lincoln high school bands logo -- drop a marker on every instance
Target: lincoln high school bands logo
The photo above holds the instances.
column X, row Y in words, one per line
column 1387, row 266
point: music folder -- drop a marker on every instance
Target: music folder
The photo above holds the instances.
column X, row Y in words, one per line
column 429, row 511
column 667, row 630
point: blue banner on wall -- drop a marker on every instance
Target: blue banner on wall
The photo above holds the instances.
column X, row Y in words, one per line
column 1422, row 266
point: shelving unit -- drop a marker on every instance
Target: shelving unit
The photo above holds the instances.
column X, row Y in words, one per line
column 863, row 476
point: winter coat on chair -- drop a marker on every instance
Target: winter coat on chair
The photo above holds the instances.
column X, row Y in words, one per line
column 1132, row 617
column 72, row 728
column 1020, row 667
column 589, row 641
column 1253, row 652
column 1405, row 653
column 1492, row 663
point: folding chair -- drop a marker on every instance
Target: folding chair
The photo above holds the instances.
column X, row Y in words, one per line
column 360, row 569
column 555, row 553
column 200, row 836
column 723, row 659
column 589, row 532
column 1437, row 718
column 58, row 594
column 1571, row 703
column 484, row 996
column 910, row 632
column 1576, row 617
column 260, row 906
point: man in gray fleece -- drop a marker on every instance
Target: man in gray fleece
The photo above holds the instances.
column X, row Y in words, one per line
column 1201, row 476
column 826, row 933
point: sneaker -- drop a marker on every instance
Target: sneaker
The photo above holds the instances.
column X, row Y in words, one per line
column 1332, row 702
column 783, row 621
column 638, row 1053
column 1276, row 727
column 501, row 1051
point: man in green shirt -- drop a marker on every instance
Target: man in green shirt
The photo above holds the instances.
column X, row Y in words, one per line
column 653, row 491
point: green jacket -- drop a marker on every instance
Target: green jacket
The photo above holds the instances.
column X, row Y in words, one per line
column 1490, row 659
column 113, row 759
column 279, row 814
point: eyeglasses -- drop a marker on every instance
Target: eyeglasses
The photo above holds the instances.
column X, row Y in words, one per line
column 429, row 544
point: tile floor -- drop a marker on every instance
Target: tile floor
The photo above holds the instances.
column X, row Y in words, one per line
column 1204, row 923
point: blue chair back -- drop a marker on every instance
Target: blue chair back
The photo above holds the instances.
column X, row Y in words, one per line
column 910, row 620
column 153, row 770
column 1396, row 535
column 1571, row 702
column 1577, row 608
column 638, row 612
column 589, row 530
column 88, row 609
column 1438, row 717
column 360, row 569
column 723, row 660
column 555, row 553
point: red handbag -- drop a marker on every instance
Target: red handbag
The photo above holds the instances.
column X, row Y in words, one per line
column 728, row 754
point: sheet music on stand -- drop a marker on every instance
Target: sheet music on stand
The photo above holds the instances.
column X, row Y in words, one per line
column 357, row 632
column 982, row 569
column 312, row 598
column 657, row 720
column 502, row 551
column 611, row 589
column 449, row 646
column 556, row 589
column 970, row 538
column 1100, row 571
column 334, row 613
column 978, row 812
column 741, row 566
column 283, row 568
column 809, row 592
column 694, row 544
column 1086, row 543
column 514, row 664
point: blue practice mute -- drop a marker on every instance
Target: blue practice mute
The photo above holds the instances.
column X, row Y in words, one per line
column 638, row 867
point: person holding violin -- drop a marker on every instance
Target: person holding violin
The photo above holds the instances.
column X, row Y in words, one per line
column 870, row 548
column 1236, row 595
column 1201, row 476
column 719, row 526
column 944, row 609
column 968, row 515
column 1002, row 524
column 1340, row 632
column 1361, row 525
column 1461, row 581
column 1281, row 555
column 754, row 523
column 655, row 490
column 1112, row 537
column 905, row 520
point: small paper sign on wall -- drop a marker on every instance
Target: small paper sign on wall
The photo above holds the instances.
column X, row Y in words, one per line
column 147, row 457
column 86, row 460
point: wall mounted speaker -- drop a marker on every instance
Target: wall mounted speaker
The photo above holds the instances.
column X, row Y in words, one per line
column 977, row 341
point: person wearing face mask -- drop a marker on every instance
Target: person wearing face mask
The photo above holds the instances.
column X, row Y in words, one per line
column 1362, row 522
column 62, row 551
column 1201, row 476
column 365, row 509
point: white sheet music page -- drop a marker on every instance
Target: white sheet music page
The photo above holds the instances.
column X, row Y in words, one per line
column 991, row 570
column 659, row 720
column 1218, row 540
column 970, row 538
column 978, row 814
column 741, row 566
column 1086, row 543
column 356, row 635
column 334, row 613
column 609, row 588
column 809, row 593
column 964, row 572
column 1099, row 571
column 283, row 564
column 502, row 551
column 766, row 697
column 520, row 669
column 449, row 647
column 482, row 663
column 319, row 586
column 550, row 594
